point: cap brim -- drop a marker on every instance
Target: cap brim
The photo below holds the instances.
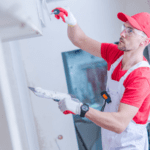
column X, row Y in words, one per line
column 123, row 17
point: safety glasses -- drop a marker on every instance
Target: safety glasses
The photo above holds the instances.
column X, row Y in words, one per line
column 132, row 31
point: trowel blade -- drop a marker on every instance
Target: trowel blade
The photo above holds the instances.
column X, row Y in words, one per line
column 32, row 89
column 39, row 94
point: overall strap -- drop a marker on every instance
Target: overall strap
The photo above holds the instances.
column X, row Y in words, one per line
column 115, row 64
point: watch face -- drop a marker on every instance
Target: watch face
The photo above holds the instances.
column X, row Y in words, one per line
column 84, row 108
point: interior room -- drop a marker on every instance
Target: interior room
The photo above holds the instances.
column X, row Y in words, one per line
column 35, row 51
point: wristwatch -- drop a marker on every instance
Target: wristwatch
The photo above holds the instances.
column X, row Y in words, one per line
column 84, row 109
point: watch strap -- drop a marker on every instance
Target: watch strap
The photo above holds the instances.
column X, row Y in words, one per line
column 82, row 111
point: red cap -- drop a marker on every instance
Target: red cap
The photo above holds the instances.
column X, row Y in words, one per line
column 140, row 21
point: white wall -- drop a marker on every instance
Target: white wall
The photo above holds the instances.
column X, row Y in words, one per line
column 44, row 67
column 136, row 6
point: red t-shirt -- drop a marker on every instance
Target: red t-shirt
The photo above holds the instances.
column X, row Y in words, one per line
column 137, row 83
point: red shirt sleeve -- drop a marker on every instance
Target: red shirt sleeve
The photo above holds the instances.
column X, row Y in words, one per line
column 136, row 91
column 110, row 53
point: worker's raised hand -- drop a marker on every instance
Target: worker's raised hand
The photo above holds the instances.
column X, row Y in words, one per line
column 70, row 105
column 66, row 15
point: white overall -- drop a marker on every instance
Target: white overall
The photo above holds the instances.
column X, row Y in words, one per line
column 135, row 136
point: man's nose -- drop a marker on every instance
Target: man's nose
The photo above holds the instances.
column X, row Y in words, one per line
column 123, row 33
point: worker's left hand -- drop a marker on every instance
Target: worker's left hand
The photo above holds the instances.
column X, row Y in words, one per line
column 66, row 15
column 70, row 105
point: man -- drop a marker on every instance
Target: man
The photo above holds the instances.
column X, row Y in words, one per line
column 123, row 122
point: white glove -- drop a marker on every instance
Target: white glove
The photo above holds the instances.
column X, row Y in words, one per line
column 70, row 105
column 66, row 16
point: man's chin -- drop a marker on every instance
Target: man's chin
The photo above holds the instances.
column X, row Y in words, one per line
column 123, row 49
column 120, row 47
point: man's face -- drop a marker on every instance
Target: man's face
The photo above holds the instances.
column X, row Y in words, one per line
column 129, row 39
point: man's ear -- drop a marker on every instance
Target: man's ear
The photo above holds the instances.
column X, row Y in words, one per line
column 145, row 43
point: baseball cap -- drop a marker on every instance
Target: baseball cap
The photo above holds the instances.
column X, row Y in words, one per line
column 140, row 21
